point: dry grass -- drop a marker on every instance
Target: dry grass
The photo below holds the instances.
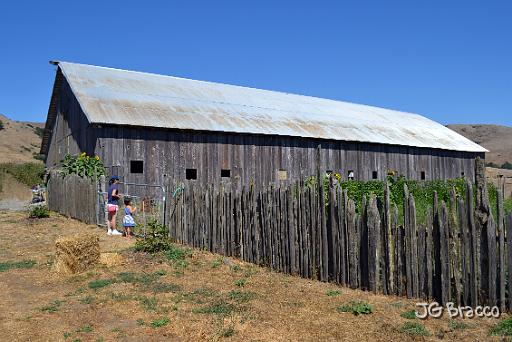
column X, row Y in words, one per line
column 154, row 299
column 18, row 141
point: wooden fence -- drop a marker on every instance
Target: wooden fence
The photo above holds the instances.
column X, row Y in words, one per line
column 73, row 196
column 459, row 254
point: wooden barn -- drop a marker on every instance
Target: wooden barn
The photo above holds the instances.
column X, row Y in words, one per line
column 150, row 128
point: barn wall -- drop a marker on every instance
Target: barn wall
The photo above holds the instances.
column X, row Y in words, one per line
column 258, row 159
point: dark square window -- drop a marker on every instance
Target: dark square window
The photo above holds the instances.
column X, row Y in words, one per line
column 462, row 174
column 423, row 175
column 191, row 173
column 375, row 175
column 136, row 166
column 225, row 173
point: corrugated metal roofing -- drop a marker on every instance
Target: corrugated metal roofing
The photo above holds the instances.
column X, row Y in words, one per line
column 119, row 97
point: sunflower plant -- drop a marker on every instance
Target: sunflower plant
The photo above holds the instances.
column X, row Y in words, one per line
column 83, row 165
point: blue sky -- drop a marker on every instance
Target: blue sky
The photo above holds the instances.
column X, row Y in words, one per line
column 448, row 60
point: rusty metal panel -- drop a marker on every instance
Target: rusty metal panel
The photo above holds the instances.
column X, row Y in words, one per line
column 119, row 97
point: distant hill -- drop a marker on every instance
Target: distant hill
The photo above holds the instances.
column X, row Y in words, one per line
column 497, row 139
column 19, row 141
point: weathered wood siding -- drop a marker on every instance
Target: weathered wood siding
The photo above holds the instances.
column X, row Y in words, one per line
column 70, row 130
column 259, row 159
column 250, row 158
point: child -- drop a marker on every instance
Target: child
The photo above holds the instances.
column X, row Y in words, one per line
column 128, row 221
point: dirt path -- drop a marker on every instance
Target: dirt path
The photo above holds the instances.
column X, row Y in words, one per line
column 188, row 296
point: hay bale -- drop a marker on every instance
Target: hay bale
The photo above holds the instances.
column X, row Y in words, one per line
column 77, row 253
column 111, row 259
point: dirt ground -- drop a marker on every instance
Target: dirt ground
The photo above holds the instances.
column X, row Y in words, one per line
column 137, row 297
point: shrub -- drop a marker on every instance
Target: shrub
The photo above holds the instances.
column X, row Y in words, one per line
column 1, row 125
column 503, row 328
column 39, row 211
column 29, row 174
column 507, row 165
column 39, row 131
column 356, row 308
column 415, row 329
column 156, row 239
column 83, row 165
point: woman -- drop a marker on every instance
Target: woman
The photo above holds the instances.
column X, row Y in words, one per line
column 113, row 205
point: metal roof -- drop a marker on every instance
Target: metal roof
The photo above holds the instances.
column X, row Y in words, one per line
column 119, row 97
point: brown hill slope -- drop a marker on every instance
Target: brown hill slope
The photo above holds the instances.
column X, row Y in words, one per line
column 497, row 139
column 19, row 141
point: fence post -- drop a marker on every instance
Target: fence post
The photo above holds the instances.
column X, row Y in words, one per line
column 374, row 244
column 509, row 261
column 444, row 254
column 465, row 252
column 353, row 244
column 455, row 246
column 408, row 246
column 482, row 212
column 414, row 246
column 429, row 254
column 389, row 241
column 501, row 248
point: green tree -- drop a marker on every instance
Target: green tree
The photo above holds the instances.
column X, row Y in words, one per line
column 507, row 165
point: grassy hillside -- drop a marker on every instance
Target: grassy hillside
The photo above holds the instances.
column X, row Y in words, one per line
column 497, row 139
column 19, row 141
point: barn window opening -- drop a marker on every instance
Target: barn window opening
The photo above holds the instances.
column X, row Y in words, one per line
column 462, row 174
column 225, row 173
column 283, row 175
column 350, row 174
column 136, row 166
column 423, row 175
column 191, row 174
column 375, row 175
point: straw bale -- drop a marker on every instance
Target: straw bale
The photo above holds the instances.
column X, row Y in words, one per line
column 77, row 253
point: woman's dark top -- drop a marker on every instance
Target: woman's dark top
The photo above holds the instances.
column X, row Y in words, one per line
column 113, row 199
